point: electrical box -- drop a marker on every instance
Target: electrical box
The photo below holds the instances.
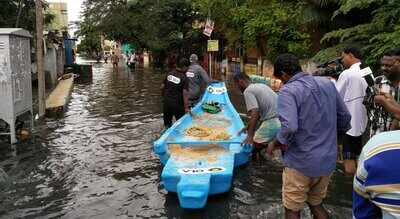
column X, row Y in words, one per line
column 15, row 77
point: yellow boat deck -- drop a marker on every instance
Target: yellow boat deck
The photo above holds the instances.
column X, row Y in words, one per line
column 60, row 95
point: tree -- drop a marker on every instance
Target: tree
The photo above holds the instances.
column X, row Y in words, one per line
column 20, row 13
column 271, row 26
column 91, row 39
column 378, row 31
column 159, row 26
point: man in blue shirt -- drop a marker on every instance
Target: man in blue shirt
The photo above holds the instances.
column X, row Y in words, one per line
column 311, row 112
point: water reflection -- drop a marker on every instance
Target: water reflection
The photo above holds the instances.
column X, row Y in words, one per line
column 96, row 161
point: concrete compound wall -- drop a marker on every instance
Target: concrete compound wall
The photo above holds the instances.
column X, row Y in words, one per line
column 50, row 66
column 267, row 67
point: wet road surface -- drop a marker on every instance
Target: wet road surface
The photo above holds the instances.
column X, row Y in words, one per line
column 96, row 161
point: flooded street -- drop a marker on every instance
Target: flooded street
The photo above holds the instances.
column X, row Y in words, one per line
column 96, row 161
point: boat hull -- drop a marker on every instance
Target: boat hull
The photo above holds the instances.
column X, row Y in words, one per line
column 194, row 180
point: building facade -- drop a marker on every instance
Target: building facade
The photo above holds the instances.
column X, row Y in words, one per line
column 60, row 11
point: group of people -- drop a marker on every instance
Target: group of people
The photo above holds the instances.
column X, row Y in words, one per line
column 304, row 121
column 183, row 88
column 308, row 116
column 131, row 60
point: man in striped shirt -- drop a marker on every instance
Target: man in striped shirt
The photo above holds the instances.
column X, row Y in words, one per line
column 377, row 182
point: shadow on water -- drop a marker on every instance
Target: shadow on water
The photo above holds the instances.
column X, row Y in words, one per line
column 96, row 161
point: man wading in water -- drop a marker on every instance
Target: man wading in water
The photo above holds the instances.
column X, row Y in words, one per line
column 311, row 112
column 198, row 80
column 175, row 93
column 115, row 61
column 261, row 106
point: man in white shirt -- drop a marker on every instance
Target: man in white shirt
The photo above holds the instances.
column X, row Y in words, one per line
column 352, row 87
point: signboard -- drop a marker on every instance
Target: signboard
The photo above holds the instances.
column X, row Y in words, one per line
column 212, row 46
column 208, row 29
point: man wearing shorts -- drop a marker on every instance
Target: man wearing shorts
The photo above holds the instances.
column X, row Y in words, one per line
column 311, row 113
column 261, row 106
column 352, row 88
column 115, row 61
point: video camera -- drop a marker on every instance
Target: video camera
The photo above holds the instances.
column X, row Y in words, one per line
column 377, row 116
column 331, row 68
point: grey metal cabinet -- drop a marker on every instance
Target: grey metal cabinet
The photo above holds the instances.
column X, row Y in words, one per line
column 15, row 76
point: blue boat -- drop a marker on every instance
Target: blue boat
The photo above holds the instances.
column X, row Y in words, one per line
column 196, row 167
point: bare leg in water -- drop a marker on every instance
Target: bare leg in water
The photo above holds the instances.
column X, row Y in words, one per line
column 115, row 67
column 319, row 212
column 289, row 214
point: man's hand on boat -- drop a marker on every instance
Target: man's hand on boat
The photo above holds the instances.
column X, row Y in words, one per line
column 243, row 130
column 249, row 141
column 189, row 111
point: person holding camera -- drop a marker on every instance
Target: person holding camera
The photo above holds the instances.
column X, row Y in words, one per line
column 388, row 86
column 377, row 181
column 352, row 87
column 390, row 101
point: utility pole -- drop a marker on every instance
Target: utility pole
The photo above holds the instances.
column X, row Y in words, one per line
column 39, row 57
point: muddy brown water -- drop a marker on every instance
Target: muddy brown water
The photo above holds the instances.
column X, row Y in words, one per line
column 96, row 161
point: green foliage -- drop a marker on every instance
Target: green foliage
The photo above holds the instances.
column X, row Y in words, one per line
column 91, row 40
column 20, row 13
column 348, row 5
column 160, row 26
column 375, row 36
column 271, row 26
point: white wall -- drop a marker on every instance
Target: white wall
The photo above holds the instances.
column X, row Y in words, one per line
column 50, row 64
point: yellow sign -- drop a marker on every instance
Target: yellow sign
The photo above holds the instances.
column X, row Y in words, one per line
column 212, row 46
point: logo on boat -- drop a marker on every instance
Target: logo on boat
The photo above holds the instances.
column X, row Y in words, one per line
column 195, row 171
column 217, row 90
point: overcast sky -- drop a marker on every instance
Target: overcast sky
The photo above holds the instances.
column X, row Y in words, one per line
column 74, row 8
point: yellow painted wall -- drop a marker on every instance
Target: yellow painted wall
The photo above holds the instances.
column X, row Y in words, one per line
column 60, row 11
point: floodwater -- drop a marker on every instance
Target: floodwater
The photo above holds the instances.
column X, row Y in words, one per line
column 96, row 161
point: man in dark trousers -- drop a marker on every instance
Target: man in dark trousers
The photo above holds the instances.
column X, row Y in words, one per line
column 198, row 80
column 352, row 87
column 175, row 93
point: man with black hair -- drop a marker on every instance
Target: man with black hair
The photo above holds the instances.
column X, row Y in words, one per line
column 388, row 85
column 198, row 80
column 390, row 100
column 311, row 112
column 175, row 93
column 261, row 107
column 390, row 59
column 352, row 87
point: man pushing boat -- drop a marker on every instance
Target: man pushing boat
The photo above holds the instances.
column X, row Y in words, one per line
column 198, row 80
column 175, row 93
column 261, row 104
